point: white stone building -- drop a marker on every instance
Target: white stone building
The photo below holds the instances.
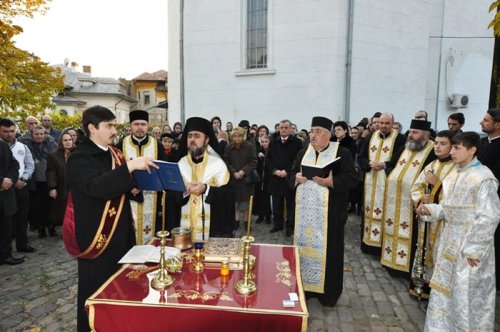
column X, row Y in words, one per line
column 265, row 60
column 82, row 91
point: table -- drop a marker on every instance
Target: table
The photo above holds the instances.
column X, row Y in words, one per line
column 205, row 301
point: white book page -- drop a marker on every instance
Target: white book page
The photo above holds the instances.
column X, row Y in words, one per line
column 137, row 254
column 154, row 257
column 146, row 253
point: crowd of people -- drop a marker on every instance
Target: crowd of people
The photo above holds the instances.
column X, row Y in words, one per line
column 428, row 201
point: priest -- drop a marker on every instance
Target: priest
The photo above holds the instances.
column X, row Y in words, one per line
column 207, row 200
column 399, row 231
column 140, row 144
column 321, row 212
column 377, row 159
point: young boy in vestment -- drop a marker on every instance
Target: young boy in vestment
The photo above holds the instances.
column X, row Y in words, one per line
column 463, row 286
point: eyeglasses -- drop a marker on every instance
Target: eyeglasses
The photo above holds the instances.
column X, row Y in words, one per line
column 420, row 118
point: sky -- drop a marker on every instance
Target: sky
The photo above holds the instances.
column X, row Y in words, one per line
column 117, row 38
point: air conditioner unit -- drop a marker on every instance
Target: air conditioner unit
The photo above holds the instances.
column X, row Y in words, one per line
column 459, row 101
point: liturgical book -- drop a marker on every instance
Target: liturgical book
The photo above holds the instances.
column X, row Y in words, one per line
column 167, row 177
column 311, row 171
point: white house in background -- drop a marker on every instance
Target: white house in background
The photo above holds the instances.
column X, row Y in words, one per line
column 83, row 91
column 265, row 60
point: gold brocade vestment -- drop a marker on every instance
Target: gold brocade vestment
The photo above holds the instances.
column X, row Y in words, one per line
column 311, row 221
column 398, row 208
column 430, row 236
column 144, row 213
column 380, row 150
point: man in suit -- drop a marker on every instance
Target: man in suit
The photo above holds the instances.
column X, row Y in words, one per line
column 9, row 173
column 279, row 162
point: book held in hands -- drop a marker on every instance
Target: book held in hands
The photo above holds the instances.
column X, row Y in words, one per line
column 167, row 177
column 311, row 171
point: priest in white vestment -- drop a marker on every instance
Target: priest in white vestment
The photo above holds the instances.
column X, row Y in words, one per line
column 203, row 170
column 463, row 282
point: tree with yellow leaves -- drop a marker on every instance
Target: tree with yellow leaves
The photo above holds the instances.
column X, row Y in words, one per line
column 27, row 85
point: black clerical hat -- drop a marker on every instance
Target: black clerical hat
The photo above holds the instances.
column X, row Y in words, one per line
column 202, row 125
column 319, row 121
column 420, row 125
column 138, row 115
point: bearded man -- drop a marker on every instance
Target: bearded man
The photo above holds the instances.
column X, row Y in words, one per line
column 203, row 172
column 399, row 230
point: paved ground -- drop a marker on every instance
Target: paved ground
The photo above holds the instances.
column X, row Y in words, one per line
column 40, row 294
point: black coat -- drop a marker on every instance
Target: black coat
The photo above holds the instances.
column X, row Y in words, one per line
column 9, row 168
column 244, row 159
column 348, row 143
column 92, row 183
column 56, row 179
column 281, row 156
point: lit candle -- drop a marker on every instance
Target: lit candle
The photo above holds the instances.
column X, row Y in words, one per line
column 249, row 215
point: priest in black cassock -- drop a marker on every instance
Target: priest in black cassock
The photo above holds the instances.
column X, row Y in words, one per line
column 489, row 156
column 100, row 182
column 321, row 211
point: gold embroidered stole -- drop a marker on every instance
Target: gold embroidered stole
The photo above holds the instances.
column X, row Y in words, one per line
column 398, row 208
column 380, row 150
column 110, row 217
column 196, row 213
column 311, row 222
column 431, row 230
column 144, row 213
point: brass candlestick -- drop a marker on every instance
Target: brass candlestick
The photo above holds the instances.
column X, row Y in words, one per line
column 162, row 279
column 246, row 286
column 198, row 257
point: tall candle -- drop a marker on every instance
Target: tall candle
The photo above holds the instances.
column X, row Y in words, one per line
column 250, row 205
column 163, row 203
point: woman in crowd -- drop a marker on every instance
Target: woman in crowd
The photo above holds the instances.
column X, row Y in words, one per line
column 262, row 195
column 167, row 129
column 342, row 136
column 241, row 161
column 216, row 122
column 73, row 134
column 156, row 133
column 177, row 130
column 56, row 180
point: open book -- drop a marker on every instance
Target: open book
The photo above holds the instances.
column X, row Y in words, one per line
column 167, row 177
column 311, row 171
column 146, row 253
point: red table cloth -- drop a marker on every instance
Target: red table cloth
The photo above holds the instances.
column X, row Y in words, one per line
column 205, row 301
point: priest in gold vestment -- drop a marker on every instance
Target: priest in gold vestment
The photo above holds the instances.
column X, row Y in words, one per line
column 377, row 158
column 398, row 239
column 463, row 286
column 140, row 144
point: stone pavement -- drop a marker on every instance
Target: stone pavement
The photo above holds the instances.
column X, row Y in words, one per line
column 40, row 294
